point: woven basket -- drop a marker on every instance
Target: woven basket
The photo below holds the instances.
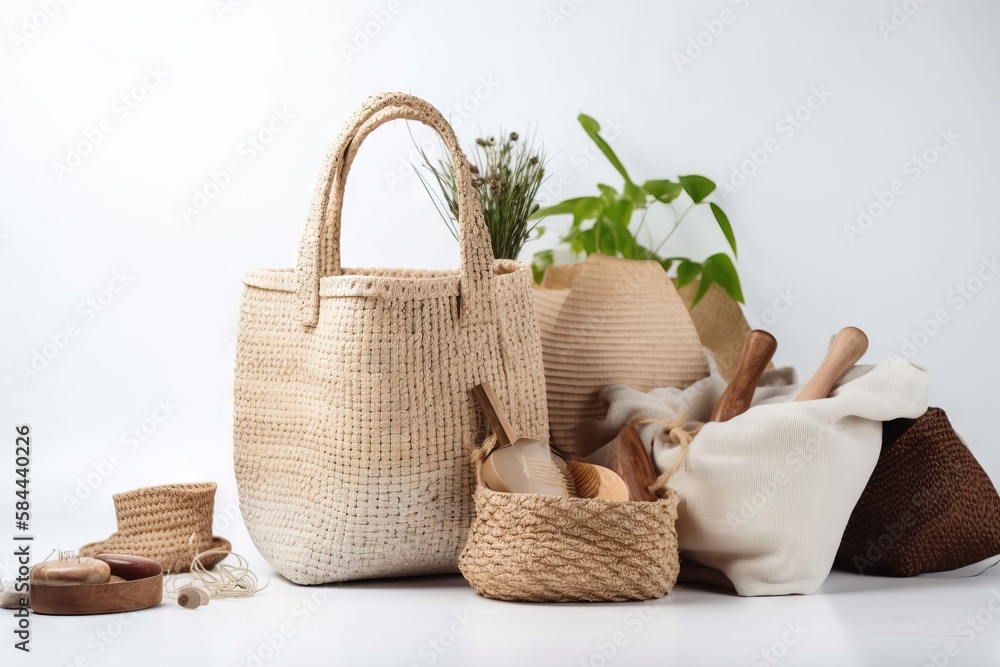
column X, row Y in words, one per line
column 531, row 548
column 353, row 416
column 928, row 507
column 605, row 321
column 170, row 524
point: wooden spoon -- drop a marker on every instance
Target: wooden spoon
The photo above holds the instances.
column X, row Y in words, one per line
column 633, row 464
column 847, row 347
column 758, row 348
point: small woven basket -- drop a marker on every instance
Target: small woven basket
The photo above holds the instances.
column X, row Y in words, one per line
column 532, row 548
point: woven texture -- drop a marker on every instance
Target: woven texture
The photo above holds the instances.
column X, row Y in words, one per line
column 531, row 548
column 353, row 417
column 928, row 507
column 170, row 524
column 610, row 321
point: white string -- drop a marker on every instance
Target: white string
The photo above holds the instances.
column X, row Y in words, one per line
column 226, row 581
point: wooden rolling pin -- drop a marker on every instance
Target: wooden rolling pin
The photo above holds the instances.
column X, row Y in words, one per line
column 758, row 348
column 847, row 347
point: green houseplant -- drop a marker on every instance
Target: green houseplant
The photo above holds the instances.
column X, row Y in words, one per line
column 603, row 223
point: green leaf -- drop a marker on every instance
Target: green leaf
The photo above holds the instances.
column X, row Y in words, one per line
column 686, row 272
column 642, row 252
column 604, row 237
column 561, row 208
column 697, row 187
column 541, row 262
column 587, row 208
column 719, row 269
column 723, row 221
column 666, row 264
column 582, row 241
column 620, row 212
column 635, row 194
column 593, row 129
column 664, row 190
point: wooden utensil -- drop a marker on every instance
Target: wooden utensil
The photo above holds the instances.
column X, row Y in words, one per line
column 517, row 465
column 633, row 464
column 846, row 348
column 594, row 481
column 758, row 348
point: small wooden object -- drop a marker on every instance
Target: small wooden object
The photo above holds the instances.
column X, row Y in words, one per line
column 847, row 347
column 138, row 589
column 633, row 464
column 594, row 481
column 190, row 597
column 758, row 348
column 71, row 572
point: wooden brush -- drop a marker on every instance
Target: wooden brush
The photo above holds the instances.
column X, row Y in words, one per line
column 516, row 465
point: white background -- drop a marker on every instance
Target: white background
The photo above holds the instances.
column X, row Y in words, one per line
column 168, row 335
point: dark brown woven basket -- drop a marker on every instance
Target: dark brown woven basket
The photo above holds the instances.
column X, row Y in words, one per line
column 928, row 507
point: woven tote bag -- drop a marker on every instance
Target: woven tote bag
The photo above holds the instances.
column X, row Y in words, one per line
column 353, row 414
column 606, row 321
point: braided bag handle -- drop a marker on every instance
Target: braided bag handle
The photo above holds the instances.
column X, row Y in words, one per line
column 319, row 251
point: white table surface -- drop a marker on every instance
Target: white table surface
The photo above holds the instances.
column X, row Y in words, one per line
column 852, row 620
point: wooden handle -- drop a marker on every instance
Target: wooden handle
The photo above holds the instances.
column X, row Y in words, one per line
column 847, row 347
column 495, row 414
column 758, row 348
column 633, row 464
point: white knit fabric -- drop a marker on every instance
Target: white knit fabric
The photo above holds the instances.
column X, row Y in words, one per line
column 766, row 496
